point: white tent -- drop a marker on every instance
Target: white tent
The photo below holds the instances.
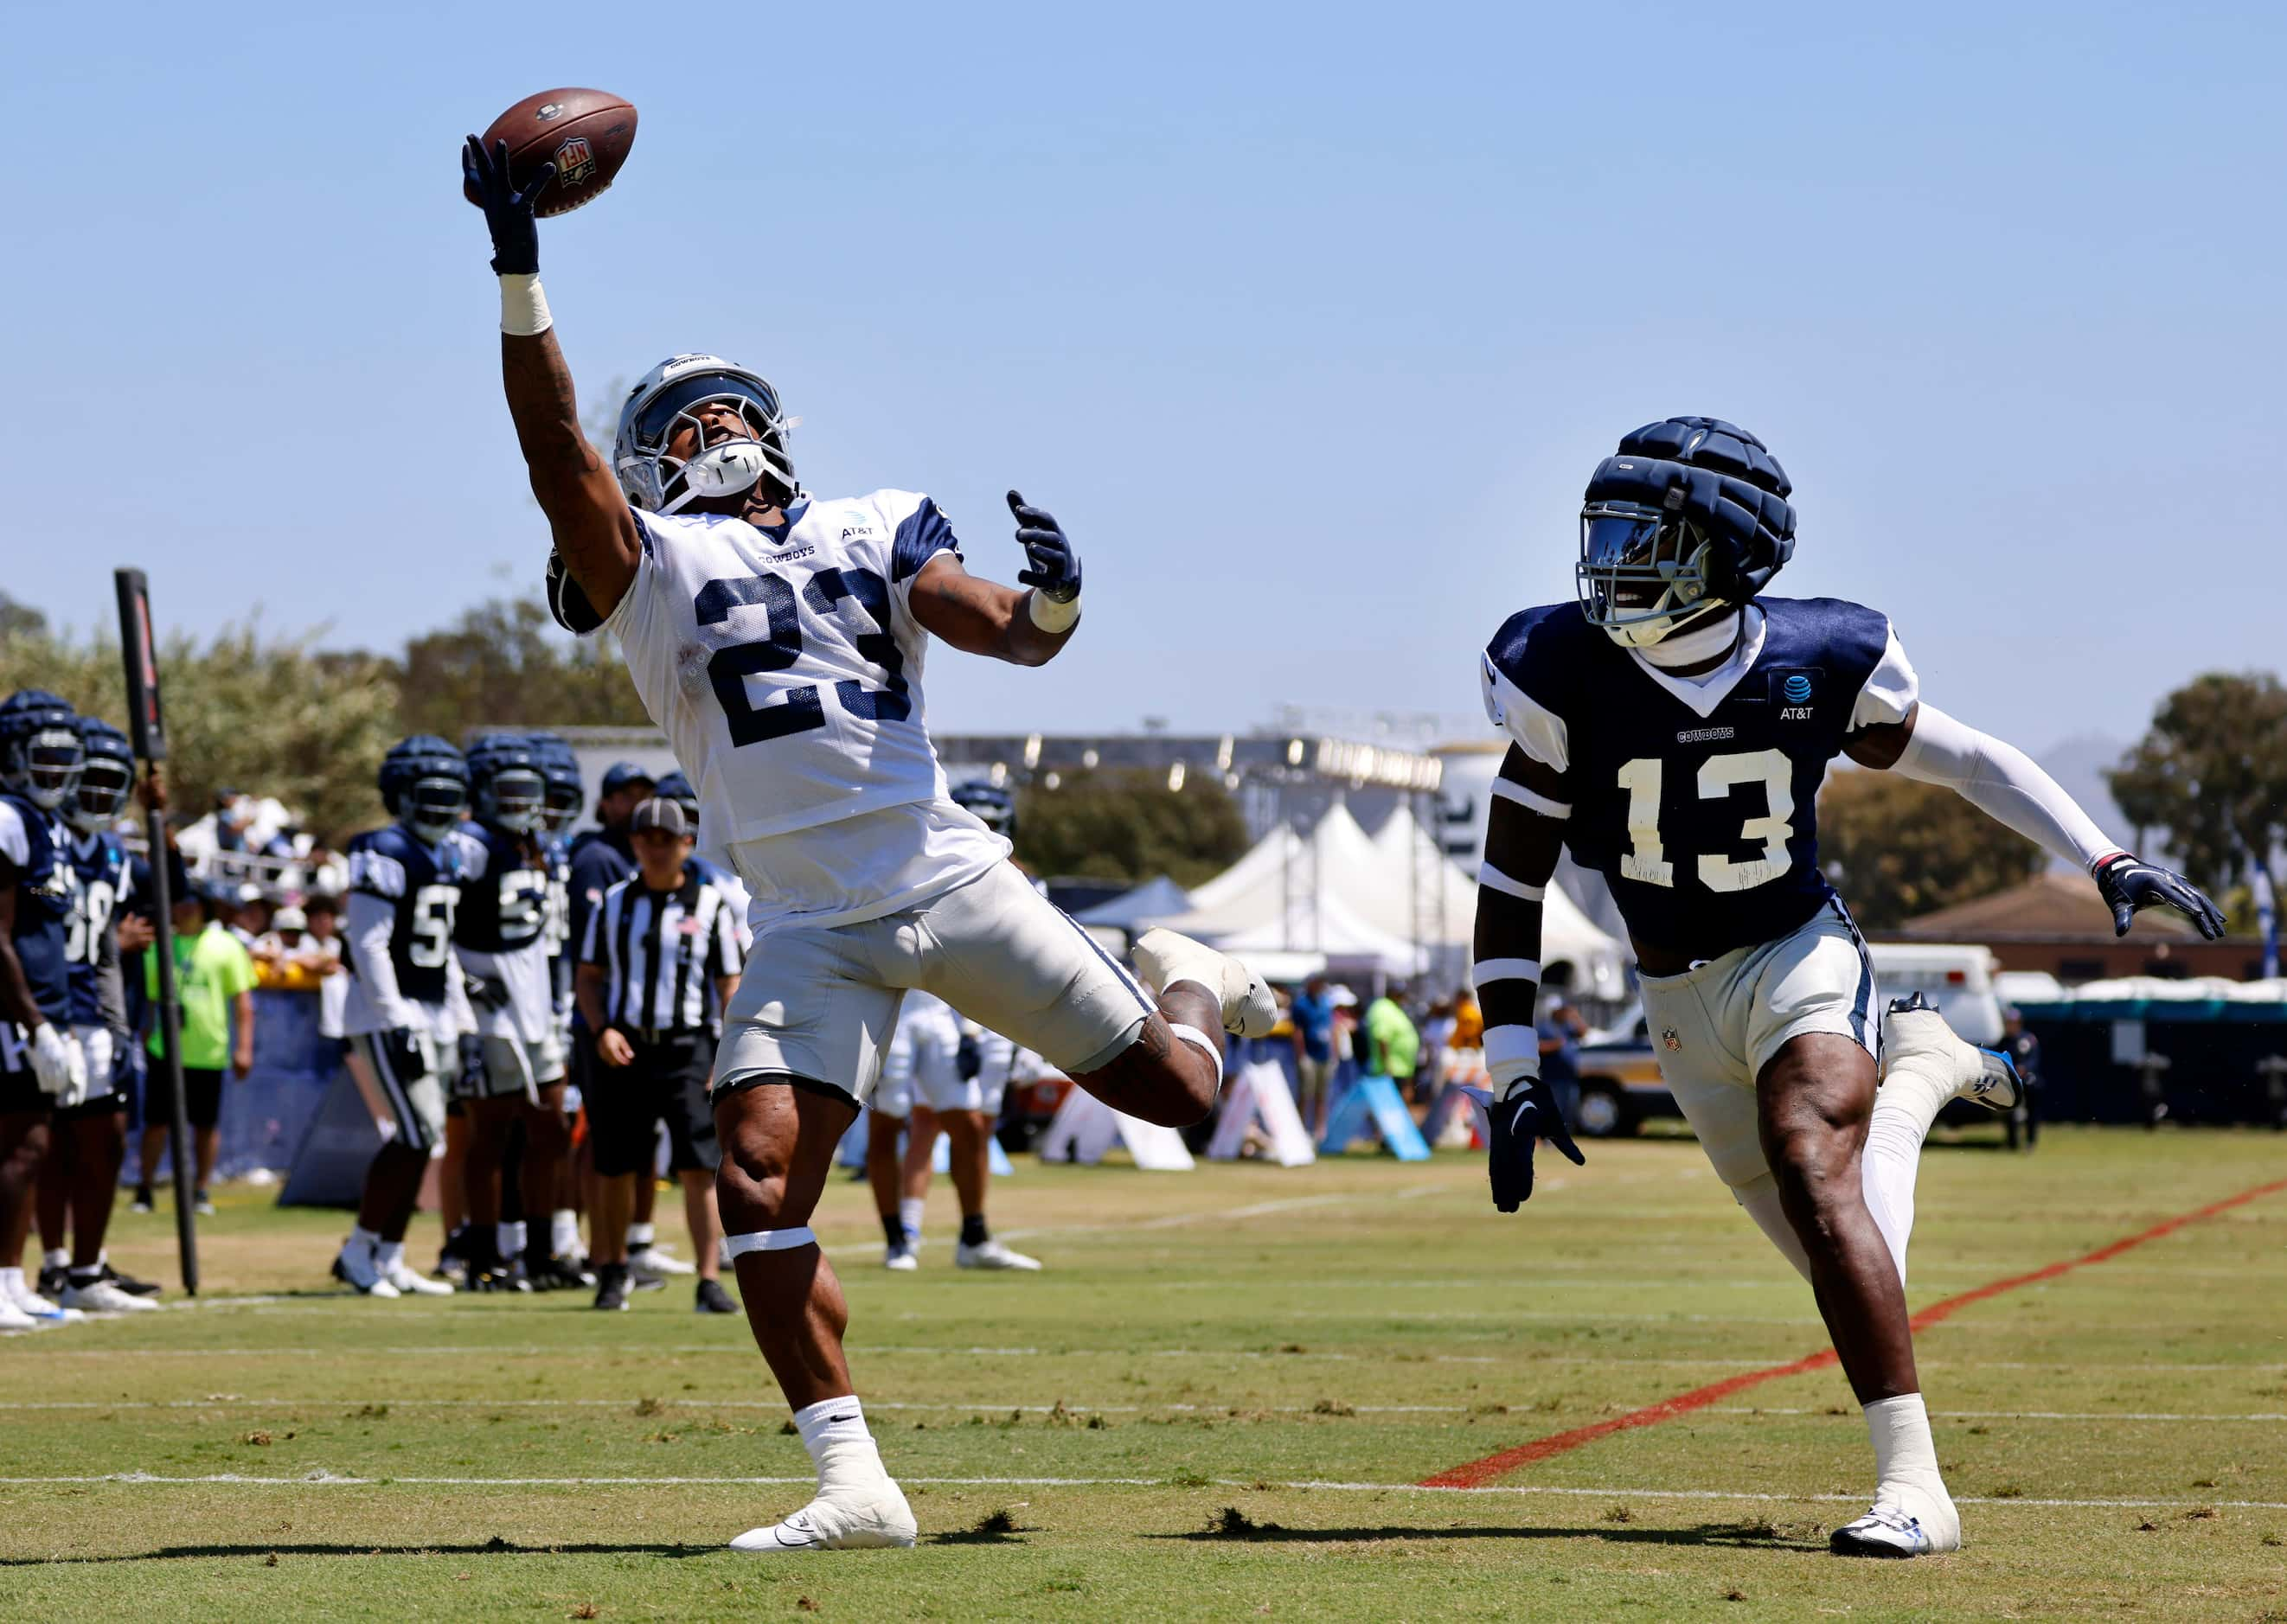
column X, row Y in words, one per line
column 1372, row 902
column 1406, row 856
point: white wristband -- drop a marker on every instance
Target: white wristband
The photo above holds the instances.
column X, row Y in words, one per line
column 524, row 308
column 1049, row 615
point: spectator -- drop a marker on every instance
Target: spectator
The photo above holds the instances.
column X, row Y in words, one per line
column 1560, row 1028
column 323, row 952
column 1393, row 1044
column 214, row 982
column 1468, row 1021
column 2024, row 1051
column 232, row 812
column 1313, row 1014
column 251, row 918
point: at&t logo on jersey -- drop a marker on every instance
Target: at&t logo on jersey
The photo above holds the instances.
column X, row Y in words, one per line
column 1797, row 694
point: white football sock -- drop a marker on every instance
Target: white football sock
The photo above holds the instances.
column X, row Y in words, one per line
column 389, row 1255
column 564, row 1232
column 1909, row 1102
column 640, row 1236
column 834, row 1431
column 909, row 1213
column 1905, row 1458
column 11, row 1286
column 55, row 1257
column 509, row 1237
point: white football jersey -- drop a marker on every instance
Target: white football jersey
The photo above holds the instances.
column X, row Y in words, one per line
column 786, row 669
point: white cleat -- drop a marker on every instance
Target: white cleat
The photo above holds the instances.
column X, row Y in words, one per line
column 650, row 1265
column 40, row 1310
column 1915, row 1038
column 14, row 1319
column 991, row 1255
column 862, row 1519
column 1163, row 958
column 102, row 1297
column 408, row 1282
column 354, row 1266
column 1931, row 1528
column 900, row 1259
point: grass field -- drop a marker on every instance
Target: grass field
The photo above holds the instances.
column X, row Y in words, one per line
column 1213, row 1404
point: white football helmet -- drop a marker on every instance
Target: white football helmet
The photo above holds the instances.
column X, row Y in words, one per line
column 671, row 394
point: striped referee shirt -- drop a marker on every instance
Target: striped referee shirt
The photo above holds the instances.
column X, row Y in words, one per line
column 661, row 952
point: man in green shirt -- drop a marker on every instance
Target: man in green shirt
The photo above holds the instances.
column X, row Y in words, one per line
column 214, row 980
column 1393, row 1046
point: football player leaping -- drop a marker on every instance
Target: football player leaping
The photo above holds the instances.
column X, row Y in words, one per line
column 1671, row 728
column 779, row 641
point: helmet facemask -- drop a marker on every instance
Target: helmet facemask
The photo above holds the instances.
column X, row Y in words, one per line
column 1644, row 573
column 660, row 483
column 44, row 766
column 513, row 798
column 566, row 799
column 433, row 807
column 104, row 781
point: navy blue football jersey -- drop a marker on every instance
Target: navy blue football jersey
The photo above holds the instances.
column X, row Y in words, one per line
column 556, row 855
column 503, row 891
column 423, row 883
column 1698, row 802
column 100, row 884
column 36, row 842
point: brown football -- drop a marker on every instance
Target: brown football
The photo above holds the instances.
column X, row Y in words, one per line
column 585, row 134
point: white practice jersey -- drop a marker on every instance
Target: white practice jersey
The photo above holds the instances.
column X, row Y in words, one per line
column 785, row 669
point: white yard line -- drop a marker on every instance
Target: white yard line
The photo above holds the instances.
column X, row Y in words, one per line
column 326, row 1479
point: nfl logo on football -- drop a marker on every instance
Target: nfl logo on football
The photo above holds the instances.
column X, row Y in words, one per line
column 574, row 162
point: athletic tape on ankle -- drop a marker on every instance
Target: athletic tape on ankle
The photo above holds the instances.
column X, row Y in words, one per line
column 769, row 1240
column 1192, row 1035
column 1049, row 615
column 524, row 308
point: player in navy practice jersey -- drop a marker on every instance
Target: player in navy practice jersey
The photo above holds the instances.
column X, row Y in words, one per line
column 501, row 935
column 1671, row 728
column 41, row 1063
column 407, row 1007
column 80, row 1182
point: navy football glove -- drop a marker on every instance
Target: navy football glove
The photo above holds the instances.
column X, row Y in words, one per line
column 1056, row 567
column 1520, row 1121
column 401, row 1046
column 2130, row 883
column 516, row 235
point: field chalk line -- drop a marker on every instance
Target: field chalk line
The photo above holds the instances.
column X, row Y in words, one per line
column 1478, row 1473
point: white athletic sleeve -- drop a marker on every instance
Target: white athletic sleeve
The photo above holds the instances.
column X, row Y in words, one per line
column 1539, row 731
column 1891, row 690
column 2004, row 783
column 15, row 840
column 370, row 922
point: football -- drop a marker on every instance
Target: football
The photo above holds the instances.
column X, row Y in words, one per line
column 585, row 134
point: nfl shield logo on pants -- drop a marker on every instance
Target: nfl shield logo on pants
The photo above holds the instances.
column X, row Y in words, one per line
column 1674, row 1044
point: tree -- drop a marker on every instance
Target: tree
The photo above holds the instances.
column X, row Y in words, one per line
column 505, row 662
column 1129, row 826
column 2211, row 773
column 1895, row 847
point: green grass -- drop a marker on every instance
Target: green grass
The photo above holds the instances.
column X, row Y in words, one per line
column 1209, row 1405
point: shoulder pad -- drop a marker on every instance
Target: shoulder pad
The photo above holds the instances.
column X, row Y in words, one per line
column 376, row 873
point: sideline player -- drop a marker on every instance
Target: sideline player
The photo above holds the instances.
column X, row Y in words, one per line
column 1673, row 727
column 940, row 1073
column 778, row 640
column 407, row 1008
column 41, row 1065
column 79, row 1184
column 499, row 933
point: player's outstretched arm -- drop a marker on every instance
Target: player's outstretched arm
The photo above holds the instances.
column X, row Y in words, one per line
column 982, row 617
column 595, row 530
column 2006, row 785
column 1523, row 834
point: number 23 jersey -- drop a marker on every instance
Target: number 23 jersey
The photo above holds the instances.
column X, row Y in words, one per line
column 786, row 669
column 1697, row 800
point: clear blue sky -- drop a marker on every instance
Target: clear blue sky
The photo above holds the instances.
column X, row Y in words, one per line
column 1309, row 323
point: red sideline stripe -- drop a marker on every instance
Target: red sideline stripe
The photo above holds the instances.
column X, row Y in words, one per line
column 1474, row 1474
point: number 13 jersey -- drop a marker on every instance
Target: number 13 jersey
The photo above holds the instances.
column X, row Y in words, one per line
column 1697, row 799
column 786, row 667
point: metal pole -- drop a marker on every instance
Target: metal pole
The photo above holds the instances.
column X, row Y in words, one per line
column 147, row 728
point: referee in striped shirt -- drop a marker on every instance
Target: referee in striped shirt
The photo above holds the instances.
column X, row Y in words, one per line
column 658, row 964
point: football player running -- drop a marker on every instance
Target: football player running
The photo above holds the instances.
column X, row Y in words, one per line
column 499, row 935
column 1671, row 728
column 778, row 640
column 406, row 1007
